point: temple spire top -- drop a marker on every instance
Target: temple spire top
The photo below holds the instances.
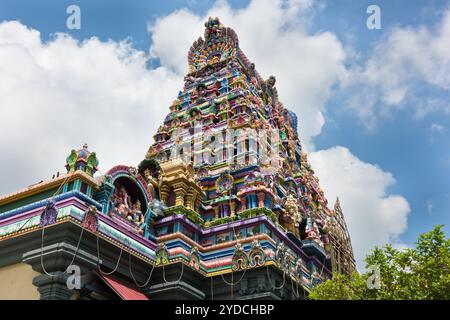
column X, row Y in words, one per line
column 218, row 45
column 337, row 205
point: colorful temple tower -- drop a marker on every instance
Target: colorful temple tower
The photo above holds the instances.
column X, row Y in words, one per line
column 224, row 205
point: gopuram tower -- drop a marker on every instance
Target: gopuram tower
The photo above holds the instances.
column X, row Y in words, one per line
column 228, row 133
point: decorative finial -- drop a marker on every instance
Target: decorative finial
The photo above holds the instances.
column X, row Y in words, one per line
column 337, row 205
column 83, row 160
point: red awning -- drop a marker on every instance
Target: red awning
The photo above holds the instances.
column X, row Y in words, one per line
column 124, row 290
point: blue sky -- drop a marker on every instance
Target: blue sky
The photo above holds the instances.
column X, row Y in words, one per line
column 418, row 157
column 413, row 148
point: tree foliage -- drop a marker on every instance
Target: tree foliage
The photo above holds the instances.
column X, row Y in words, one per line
column 422, row 272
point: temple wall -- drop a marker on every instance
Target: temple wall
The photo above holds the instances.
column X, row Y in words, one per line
column 16, row 282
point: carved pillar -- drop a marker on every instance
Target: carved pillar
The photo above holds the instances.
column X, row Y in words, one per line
column 190, row 198
column 179, row 200
column 241, row 150
column 233, row 208
column 180, row 190
column 164, row 193
column 216, row 212
column 56, row 258
column 104, row 194
column 261, row 199
column 53, row 287
column 197, row 202
column 244, row 202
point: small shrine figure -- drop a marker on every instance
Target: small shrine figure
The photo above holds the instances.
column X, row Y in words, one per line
column 312, row 231
column 292, row 217
column 90, row 220
column 49, row 215
column 121, row 202
column 137, row 215
column 269, row 92
column 326, row 227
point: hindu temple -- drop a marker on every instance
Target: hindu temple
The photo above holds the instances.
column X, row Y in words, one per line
column 223, row 205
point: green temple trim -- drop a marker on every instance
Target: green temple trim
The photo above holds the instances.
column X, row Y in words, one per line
column 250, row 213
column 220, row 221
column 190, row 214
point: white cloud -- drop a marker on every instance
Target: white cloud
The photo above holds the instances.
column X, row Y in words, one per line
column 401, row 63
column 436, row 127
column 430, row 207
column 373, row 216
column 60, row 94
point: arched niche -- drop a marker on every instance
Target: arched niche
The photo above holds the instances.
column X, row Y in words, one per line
column 133, row 190
column 129, row 189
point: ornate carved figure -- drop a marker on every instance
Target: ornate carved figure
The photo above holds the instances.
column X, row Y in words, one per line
column 257, row 256
column 312, row 231
column 240, row 258
column 298, row 269
column 292, row 217
column 48, row 216
column 137, row 216
column 280, row 254
column 326, row 228
column 121, row 202
column 194, row 260
column 162, row 255
column 122, row 205
column 269, row 93
column 90, row 219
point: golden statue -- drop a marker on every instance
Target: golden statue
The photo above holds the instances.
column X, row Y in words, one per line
column 292, row 218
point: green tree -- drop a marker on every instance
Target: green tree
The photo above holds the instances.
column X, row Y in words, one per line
column 422, row 272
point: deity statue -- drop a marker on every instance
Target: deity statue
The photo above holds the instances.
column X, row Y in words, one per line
column 90, row 220
column 312, row 231
column 213, row 31
column 50, row 213
column 239, row 81
column 269, row 92
column 292, row 218
column 121, row 201
column 252, row 73
column 138, row 217
column 326, row 228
